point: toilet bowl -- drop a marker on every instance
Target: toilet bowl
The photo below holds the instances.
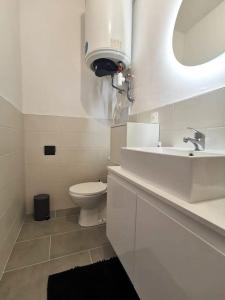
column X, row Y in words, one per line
column 91, row 198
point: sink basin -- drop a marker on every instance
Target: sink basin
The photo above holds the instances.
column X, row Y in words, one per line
column 189, row 175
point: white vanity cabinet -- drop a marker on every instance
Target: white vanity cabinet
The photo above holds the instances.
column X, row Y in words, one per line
column 168, row 255
column 121, row 216
column 171, row 262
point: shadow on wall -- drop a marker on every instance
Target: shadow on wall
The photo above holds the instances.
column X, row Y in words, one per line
column 97, row 96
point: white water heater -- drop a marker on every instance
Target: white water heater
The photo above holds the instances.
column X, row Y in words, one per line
column 108, row 34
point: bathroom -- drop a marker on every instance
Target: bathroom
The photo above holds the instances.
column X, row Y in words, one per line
column 129, row 187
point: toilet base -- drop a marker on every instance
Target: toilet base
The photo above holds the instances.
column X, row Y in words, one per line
column 91, row 217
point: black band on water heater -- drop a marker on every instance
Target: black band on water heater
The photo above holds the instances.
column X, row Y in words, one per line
column 104, row 67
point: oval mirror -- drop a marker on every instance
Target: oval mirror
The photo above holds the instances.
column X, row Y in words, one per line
column 199, row 34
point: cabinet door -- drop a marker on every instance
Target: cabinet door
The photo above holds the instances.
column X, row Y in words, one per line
column 121, row 214
column 171, row 262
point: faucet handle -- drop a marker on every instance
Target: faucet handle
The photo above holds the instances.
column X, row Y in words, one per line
column 198, row 134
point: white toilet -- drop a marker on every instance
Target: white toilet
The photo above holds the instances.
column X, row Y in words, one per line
column 91, row 198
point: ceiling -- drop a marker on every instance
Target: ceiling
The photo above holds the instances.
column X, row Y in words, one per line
column 192, row 11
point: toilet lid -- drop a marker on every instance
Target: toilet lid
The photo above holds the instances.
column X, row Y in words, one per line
column 89, row 188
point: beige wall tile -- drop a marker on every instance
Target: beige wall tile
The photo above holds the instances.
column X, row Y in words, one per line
column 54, row 123
column 36, row 155
column 205, row 113
column 9, row 116
column 82, row 147
column 7, row 140
column 11, row 178
column 215, row 138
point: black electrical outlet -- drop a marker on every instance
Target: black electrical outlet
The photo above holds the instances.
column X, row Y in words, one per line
column 49, row 150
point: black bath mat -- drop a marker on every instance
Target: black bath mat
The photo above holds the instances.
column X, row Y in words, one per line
column 104, row 280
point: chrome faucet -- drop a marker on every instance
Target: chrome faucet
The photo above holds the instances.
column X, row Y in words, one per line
column 198, row 141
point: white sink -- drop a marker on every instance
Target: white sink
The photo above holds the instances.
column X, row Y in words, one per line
column 189, row 175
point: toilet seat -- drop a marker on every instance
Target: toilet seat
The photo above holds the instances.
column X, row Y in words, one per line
column 88, row 189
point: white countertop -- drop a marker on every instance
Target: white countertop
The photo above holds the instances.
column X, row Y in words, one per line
column 210, row 213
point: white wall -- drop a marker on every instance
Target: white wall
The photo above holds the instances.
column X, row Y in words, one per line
column 10, row 83
column 55, row 79
column 159, row 78
column 206, row 38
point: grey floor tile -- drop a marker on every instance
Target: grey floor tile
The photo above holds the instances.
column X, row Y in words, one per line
column 28, row 253
column 24, row 284
column 104, row 252
column 31, row 283
column 67, row 212
column 34, row 230
column 64, row 244
column 30, row 217
column 68, row 262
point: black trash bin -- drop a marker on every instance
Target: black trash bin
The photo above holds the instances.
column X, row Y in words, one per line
column 41, row 207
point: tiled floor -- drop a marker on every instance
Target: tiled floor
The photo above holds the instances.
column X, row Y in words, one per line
column 49, row 247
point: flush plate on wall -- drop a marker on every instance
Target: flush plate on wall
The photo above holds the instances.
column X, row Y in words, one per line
column 49, row 150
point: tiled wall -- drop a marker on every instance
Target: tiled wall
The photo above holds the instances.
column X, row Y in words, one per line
column 82, row 147
column 11, row 178
column 205, row 113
